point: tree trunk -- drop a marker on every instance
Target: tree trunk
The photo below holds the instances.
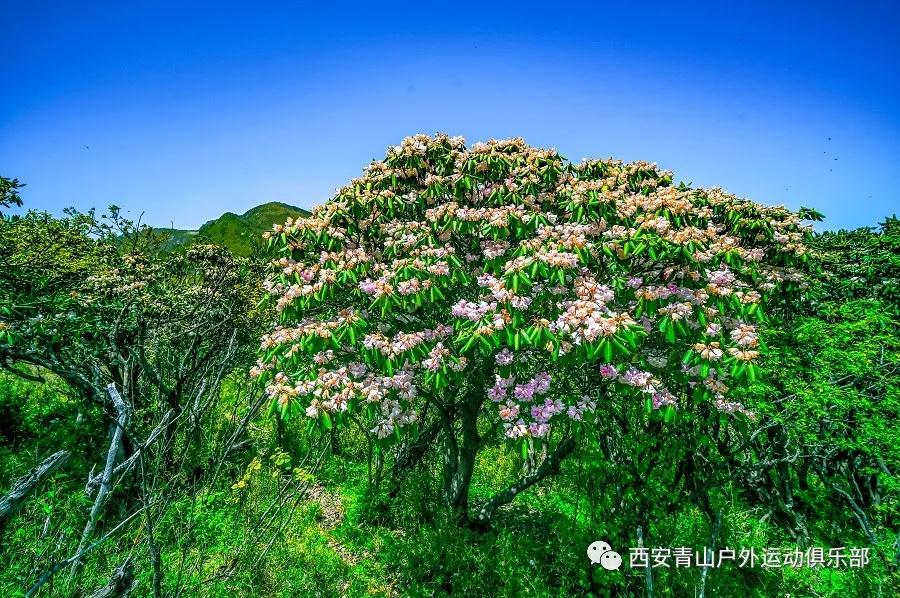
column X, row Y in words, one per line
column 710, row 551
column 94, row 482
column 156, row 563
column 411, row 454
column 460, row 453
column 463, row 462
column 648, row 570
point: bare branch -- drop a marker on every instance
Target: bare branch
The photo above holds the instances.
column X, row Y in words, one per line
column 120, row 584
column 549, row 467
column 45, row 577
column 12, row 502
column 117, row 427
column 126, row 466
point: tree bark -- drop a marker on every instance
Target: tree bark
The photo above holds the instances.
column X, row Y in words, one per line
column 49, row 573
column 13, row 501
column 156, row 563
column 128, row 464
column 858, row 513
column 411, row 455
column 549, row 467
column 464, row 461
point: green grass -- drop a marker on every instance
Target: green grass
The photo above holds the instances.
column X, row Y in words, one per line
column 386, row 546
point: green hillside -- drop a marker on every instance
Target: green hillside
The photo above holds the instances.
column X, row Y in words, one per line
column 239, row 233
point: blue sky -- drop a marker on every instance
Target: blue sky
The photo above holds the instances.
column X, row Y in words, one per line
column 182, row 111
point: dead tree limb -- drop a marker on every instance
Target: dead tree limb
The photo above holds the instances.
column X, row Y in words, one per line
column 117, row 427
column 120, row 584
column 710, row 551
column 858, row 513
column 13, row 501
column 126, row 465
column 49, row 573
column 648, row 571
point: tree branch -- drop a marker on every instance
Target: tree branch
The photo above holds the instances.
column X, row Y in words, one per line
column 12, row 502
column 120, row 584
column 45, row 577
column 126, row 465
column 118, row 426
column 549, row 467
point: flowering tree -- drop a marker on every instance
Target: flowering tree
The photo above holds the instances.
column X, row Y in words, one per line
column 501, row 288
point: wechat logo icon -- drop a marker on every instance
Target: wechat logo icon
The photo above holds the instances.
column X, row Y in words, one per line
column 601, row 552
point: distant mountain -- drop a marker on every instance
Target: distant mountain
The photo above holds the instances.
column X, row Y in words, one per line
column 239, row 233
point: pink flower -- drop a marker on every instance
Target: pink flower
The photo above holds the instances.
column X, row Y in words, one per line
column 662, row 398
column 471, row 311
column 497, row 393
column 504, row 382
column 524, row 392
column 637, row 378
column 541, row 383
column 516, row 430
column 538, row 430
column 608, row 370
column 509, row 412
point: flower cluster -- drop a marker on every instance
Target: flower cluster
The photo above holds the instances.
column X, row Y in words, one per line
column 404, row 341
column 586, row 317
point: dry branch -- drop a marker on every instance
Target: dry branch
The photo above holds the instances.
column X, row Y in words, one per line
column 128, row 464
column 48, row 574
column 120, row 584
column 12, row 502
column 117, row 427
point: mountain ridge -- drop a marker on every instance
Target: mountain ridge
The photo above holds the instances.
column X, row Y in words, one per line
column 240, row 233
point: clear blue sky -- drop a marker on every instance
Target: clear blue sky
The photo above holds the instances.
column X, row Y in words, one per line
column 185, row 110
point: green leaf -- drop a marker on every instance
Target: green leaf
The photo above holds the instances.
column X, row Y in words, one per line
column 668, row 413
column 751, row 372
column 670, row 333
column 607, row 350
